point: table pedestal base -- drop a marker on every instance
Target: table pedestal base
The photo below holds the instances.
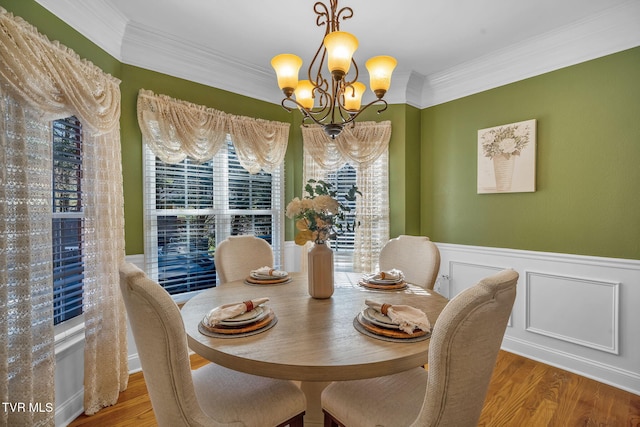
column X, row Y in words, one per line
column 313, row 417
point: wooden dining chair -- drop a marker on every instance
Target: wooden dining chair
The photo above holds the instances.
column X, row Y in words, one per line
column 236, row 256
column 464, row 346
column 416, row 256
column 209, row 396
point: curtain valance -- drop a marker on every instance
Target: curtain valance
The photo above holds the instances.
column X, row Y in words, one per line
column 59, row 81
column 176, row 129
column 359, row 145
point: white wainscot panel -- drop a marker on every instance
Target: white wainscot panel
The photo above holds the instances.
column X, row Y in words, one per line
column 464, row 275
column 579, row 311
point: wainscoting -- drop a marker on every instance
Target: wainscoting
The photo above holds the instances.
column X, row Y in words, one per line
column 574, row 312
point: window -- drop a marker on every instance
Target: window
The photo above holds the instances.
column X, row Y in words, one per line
column 191, row 207
column 343, row 245
column 68, row 218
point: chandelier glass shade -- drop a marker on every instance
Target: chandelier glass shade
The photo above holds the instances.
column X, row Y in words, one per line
column 333, row 99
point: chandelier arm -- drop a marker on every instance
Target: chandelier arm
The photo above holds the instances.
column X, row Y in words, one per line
column 343, row 14
column 325, row 104
column 355, row 78
column 375, row 101
column 285, row 106
column 316, row 116
column 321, row 10
column 318, row 81
column 307, row 114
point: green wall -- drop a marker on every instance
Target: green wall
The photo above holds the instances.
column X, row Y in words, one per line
column 134, row 79
column 588, row 154
column 588, row 163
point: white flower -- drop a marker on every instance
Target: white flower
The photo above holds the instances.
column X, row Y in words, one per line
column 507, row 145
column 294, row 208
column 326, row 203
column 521, row 131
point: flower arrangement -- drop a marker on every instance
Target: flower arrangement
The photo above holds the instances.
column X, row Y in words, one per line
column 320, row 216
column 505, row 141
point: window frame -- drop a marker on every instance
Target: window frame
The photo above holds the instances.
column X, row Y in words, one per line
column 220, row 210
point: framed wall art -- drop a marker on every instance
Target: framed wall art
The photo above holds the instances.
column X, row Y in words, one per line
column 507, row 158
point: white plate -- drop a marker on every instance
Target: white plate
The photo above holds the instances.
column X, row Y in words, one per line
column 268, row 277
column 378, row 318
column 254, row 315
column 384, row 281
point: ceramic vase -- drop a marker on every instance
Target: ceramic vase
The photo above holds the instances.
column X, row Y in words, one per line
column 320, row 270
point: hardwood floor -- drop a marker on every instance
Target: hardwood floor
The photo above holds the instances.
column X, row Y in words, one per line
column 522, row 393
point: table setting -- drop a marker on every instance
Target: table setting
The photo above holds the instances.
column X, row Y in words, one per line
column 267, row 276
column 390, row 280
column 402, row 323
column 239, row 319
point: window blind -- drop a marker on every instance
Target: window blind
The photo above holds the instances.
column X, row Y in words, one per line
column 68, row 219
column 190, row 207
column 342, row 180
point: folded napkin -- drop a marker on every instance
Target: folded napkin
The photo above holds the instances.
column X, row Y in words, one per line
column 405, row 316
column 395, row 275
column 268, row 273
column 229, row 311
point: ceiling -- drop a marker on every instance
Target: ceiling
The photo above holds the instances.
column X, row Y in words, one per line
column 445, row 48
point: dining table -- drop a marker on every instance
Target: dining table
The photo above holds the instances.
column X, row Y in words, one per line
column 311, row 341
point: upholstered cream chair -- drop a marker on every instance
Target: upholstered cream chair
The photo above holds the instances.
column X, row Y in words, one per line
column 417, row 257
column 209, row 396
column 236, row 256
column 464, row 346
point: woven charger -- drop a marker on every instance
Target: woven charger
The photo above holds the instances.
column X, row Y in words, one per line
column 240, row 330
column 390, row 287
column 274, row 281
column 390, row 333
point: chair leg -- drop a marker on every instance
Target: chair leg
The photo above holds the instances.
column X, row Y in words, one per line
column 329, row 421
column 297, row 421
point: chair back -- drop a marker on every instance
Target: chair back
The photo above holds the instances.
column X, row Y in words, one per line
column 463, row 350
column 417, row 257
column 161, row 342
column 236, row 256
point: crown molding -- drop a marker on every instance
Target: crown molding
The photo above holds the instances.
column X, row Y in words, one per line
column 614, row 30
column 97, row 20
column 150, row 49
column 611, row 31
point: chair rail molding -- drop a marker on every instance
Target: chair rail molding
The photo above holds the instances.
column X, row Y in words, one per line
column 574, row 312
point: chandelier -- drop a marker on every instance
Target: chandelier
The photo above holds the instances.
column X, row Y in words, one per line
column 336, row 100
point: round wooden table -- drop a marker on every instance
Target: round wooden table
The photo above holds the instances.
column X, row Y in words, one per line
column 314, row 340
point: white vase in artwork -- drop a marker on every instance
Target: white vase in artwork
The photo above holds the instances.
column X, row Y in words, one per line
column 320, row 270
column 503, row 169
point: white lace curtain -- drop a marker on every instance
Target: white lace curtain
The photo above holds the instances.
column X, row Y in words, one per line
column 41, row 81
column 366, row 148
column 176, row 129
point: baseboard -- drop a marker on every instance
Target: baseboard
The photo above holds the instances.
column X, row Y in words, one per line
column 70, row 409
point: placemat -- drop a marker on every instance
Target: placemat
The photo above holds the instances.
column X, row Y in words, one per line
column 390, row 287
column 360, row 328
column 270, row 322
column 256, row 282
